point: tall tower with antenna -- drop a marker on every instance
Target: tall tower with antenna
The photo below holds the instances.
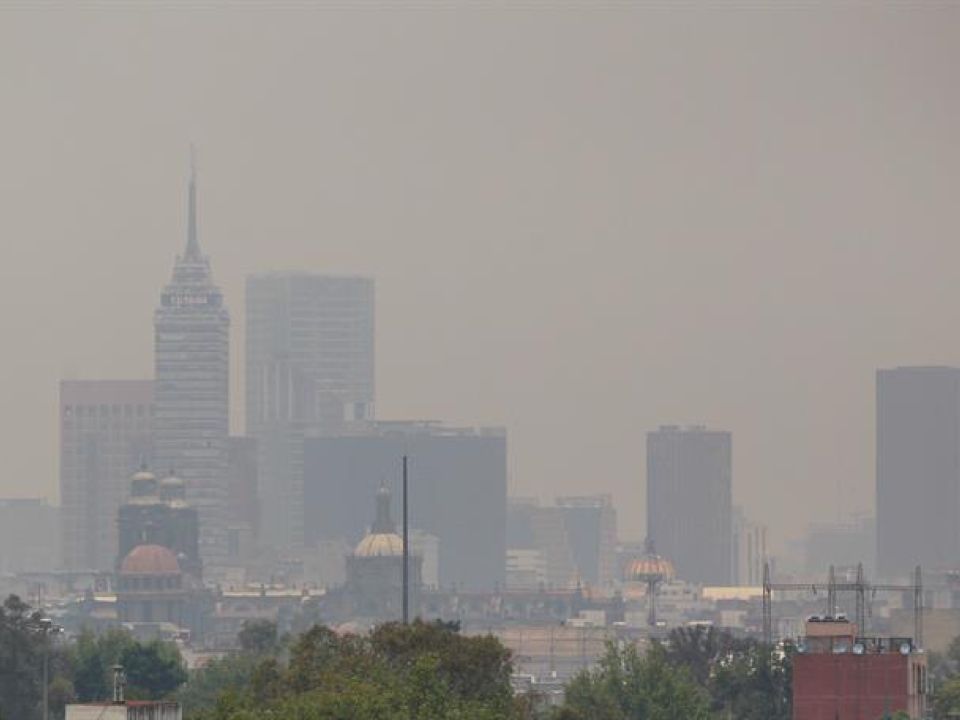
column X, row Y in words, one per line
column 192, row 369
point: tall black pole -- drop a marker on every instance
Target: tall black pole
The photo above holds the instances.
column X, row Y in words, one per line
column 406, row 549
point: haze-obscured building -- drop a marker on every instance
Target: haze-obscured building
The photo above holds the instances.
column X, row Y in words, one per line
column 309, row 370
column 571, row 542
column 918, row 469
column 538, row 531
column 458, row 491
column 243, row 506
column 106, row 432
column 374, row 588
column 591, row 523
column 29, row 535
column 843, row 544
column 749, row 552
column 689, row 501
column 192, row 374
column 159, row 582
column 157, row 513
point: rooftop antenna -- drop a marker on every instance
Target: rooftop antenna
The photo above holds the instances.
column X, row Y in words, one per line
column 193, row 244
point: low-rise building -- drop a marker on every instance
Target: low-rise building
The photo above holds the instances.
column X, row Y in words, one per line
column 838, row 675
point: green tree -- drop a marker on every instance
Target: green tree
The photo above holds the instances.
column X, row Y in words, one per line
column 475, row 668
column 946, row 699
column 258, row 637
column 21, row 657
column 631, row 686
column 154, row 670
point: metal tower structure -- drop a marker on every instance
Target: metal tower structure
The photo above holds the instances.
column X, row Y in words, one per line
column 861, row 587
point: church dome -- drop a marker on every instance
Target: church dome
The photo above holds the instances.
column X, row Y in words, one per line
column 173, row 488
column 380, row 545
column 382, row 540
column 143, row 485
column 150, row 560
column 650, row 567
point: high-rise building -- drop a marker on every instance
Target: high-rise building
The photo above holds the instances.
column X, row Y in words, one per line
column 689, row 501
column 191, row 389
column 243, row 518
column 29, row 535
column 749, row 552
column 918, row 469
column 844, row 544
column 538, row 537
column 591, row 522
column 457, row 491
column 106, row 432
column 309, row 370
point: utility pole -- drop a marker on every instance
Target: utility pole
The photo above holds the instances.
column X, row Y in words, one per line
column 45, row 625
column 406, row 550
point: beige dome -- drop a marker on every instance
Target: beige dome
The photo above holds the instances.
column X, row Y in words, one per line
column 380, row 545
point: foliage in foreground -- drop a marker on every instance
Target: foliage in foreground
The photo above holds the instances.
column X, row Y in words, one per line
column 80, row 671
column 424, row 671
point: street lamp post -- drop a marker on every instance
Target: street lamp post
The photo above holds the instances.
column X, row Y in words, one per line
column 45, row 626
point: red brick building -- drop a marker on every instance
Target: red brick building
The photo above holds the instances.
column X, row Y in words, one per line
column 838, row 676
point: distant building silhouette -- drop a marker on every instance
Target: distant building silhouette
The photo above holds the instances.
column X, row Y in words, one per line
column 374, row 587
column 106, row 432
column 29, row 536
column 563, row 545
column 689, row 501
column 458, row 491
column 309, row 370
column 918, row 469
column 243, row 504
column 157, row 513
column 158, row 569
column 591, row 522
column 192, row 388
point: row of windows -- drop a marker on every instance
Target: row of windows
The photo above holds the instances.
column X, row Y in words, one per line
column 150, row 583
column 107, row 410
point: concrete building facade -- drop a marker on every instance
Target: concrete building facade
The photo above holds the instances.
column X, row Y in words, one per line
column 309, row 370
column 106, row 432
column 192, row 371
column 918, row 469
column 689, row 501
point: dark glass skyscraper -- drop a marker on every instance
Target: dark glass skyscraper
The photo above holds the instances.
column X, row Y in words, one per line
column 689, row 501
column 918, row 469
column 191, row 424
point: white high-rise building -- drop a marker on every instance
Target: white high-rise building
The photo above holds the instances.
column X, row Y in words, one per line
column 309, row 370
column 191, row 391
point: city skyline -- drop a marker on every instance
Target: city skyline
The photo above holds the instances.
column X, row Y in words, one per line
column 598, row 259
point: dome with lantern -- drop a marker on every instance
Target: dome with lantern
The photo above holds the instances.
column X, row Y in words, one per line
column 650, row 567
column 382, row 540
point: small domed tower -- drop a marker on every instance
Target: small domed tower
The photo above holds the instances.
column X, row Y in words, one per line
column 652, row 570
column 375, row 568
column 157, row 514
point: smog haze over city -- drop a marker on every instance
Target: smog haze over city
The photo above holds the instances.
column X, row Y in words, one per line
column 460, row 360
column 583, row 222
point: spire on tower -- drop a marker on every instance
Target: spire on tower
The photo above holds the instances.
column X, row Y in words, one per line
column 193, row 245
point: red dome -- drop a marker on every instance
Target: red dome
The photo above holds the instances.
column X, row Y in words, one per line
column 150, row 560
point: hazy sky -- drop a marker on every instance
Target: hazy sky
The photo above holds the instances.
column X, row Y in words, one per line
column 583, row 220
